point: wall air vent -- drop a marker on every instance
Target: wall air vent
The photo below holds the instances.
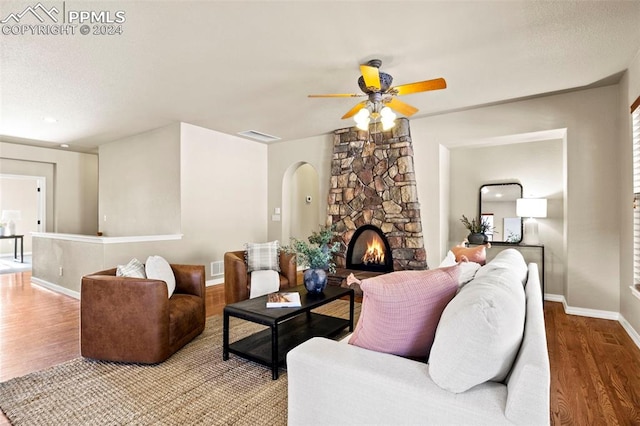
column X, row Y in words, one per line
column 259, row 136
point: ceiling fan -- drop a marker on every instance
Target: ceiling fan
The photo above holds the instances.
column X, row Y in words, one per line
column 376, row 85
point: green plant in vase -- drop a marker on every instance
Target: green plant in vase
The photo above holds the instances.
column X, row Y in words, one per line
column 317, row 256
column 477, row 228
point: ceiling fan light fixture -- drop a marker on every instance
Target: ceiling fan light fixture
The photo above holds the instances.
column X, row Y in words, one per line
column 362, row 118
column 387, row 124
column 362, row 123
column 387, row 112
column 376, row 85
column 362, row 114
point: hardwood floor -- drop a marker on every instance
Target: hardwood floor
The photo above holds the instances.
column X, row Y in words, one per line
column 595, row 366
column 595, row 370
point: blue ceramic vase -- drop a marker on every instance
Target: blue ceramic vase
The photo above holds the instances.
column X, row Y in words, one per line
column 315, row 280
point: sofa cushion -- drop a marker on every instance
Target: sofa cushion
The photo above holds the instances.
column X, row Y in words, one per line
column 134, row 269
column 158, row 268
column 263, row 256
column 507, row 259
column 400, row 310
column 480, row 332
column 476, row 254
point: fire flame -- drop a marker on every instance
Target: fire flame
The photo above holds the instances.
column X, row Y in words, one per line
column 375, row 252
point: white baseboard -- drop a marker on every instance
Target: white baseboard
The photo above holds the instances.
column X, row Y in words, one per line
column 215, row 281
column 55, row 287
column 554, row 298
column 592, row 313
column 10, row 255
column 630, row 331
column 595, row 313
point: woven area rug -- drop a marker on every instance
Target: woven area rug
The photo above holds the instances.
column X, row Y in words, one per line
column 193, row 387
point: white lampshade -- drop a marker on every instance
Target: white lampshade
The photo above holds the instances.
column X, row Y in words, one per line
column 531, row 207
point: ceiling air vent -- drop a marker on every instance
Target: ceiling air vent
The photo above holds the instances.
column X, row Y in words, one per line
column 259, row 136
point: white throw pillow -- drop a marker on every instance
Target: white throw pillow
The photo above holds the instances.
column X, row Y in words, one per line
column 158, row 268
column 467, row 269
column 467, row 272
column 264, row 282
column 134, row 269
column 479, row 333
column 449, row 260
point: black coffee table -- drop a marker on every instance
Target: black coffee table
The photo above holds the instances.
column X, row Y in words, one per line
column 288, row 327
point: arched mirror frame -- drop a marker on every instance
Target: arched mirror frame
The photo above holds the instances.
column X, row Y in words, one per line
column 513, row 190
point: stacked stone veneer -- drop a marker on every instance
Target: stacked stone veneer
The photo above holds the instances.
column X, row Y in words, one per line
column 373, row 182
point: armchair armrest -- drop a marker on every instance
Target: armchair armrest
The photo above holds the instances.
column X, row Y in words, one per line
column 189, row 279
column 289, row 267
column 236, row 287
column 120, row 316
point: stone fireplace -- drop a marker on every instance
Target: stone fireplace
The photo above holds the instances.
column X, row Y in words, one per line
column 373, row 187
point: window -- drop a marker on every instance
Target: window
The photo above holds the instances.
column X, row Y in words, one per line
column 635, row 125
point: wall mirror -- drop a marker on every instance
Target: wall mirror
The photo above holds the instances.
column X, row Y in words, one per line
column 497, row 206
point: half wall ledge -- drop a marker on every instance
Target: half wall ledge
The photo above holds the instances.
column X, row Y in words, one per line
column 61, row 260
column 107, row 240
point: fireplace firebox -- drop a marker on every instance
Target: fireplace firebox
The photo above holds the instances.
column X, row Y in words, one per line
column 369, row 250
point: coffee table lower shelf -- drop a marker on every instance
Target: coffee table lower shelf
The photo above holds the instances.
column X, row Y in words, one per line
column 257, row 347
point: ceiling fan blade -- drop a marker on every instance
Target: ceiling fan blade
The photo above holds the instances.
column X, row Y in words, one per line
column 404, row 109
column 371, row 76
column 338, row 95
column 420, row 86
column 354, row 110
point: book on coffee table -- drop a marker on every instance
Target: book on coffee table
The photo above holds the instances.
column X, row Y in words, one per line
column 283, row 299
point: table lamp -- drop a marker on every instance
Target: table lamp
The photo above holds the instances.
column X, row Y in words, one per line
column 531, row 208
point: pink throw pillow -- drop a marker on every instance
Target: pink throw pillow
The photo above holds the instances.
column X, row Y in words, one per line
column 401, row 310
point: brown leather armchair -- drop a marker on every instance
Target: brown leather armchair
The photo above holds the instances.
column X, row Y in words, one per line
column 237, row 281
column 134, row 320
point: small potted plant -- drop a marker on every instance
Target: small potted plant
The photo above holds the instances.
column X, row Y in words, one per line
column 477, row 229
column 317, row 256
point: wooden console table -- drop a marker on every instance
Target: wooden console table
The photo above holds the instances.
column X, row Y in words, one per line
column 15, row 245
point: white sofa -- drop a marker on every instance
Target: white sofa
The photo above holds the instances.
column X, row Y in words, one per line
column 334, row 383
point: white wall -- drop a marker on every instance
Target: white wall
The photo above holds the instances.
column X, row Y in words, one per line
column 591, row 119
column 139, row 188
column 538, row 167
column 224, row 193
column 629, row 92
column 72, row 184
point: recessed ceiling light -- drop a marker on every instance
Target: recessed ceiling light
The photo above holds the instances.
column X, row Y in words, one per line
column 50, row 120
column 64, row 145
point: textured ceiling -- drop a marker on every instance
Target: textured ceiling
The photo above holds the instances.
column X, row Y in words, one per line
column 236, row 66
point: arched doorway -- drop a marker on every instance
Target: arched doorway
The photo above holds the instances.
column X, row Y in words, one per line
column 300, row 199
